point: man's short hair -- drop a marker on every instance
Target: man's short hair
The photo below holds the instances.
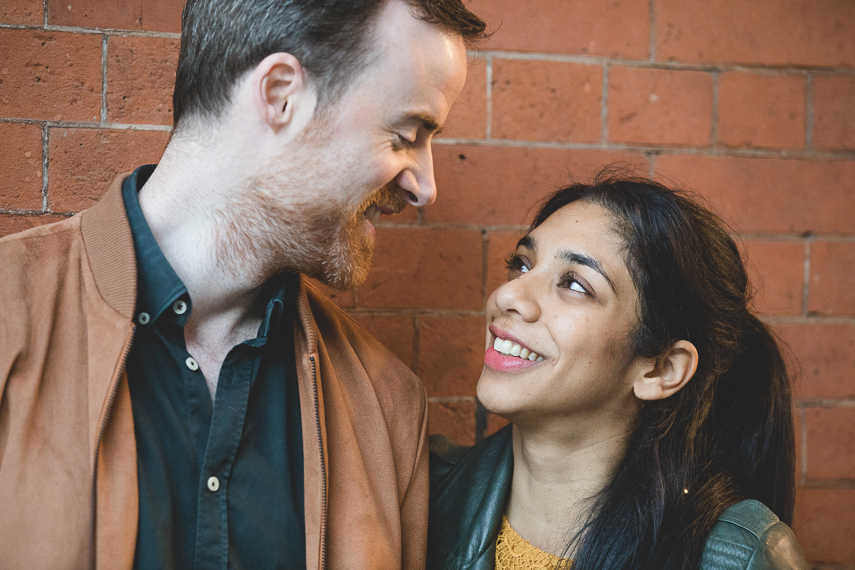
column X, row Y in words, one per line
column 223, row 39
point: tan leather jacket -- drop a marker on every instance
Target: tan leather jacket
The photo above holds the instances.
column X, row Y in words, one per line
column 68, row 475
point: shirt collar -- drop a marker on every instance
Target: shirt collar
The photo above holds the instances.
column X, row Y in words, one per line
column 158, row 286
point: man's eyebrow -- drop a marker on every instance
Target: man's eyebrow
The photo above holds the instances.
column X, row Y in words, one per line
column 572, row 257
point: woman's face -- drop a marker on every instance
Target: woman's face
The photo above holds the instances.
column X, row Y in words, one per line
column 570, row 301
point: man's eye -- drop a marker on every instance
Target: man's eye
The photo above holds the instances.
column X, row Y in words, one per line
column 403, row 142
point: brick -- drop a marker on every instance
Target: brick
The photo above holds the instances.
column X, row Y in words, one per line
column 50, row 75
column 767, row 32
column 148, row 15
column 396, row 332
column 619, row 28
column 826, row 359
column 494, row 424
column 451, row 353
column 546, row 100
column 830, row 443
column 499, row 246
column 23, row 12
column 343, row 299
column 424, row 269
column 468, row 116
column 11, row 224
column 83, row 162
column 777, row 274
column 833, row 120
column 502, row 185
column 140, row 79
column 761, row 111
column 770, row 195
column 20, row 167
column 659, row 106
column 455, row 420
column 824, row 524
column 832, row 278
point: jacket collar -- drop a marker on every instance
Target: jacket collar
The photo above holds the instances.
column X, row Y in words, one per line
column 467, row 498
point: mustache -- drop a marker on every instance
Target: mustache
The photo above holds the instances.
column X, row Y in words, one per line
column 389, row 197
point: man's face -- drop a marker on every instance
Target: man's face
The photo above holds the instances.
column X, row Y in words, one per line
column 370, row 152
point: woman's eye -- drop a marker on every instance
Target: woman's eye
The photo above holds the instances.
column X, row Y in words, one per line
column 515, row 264
column 570, row 282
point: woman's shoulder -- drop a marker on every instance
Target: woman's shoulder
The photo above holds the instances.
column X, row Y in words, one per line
column 449, row 458
column 748, row 535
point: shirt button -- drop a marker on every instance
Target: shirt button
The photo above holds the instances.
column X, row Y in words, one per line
column 144, row 318
column 213, row 484
column 180, row 307
column 191, row 364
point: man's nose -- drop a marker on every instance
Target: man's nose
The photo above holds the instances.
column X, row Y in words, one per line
column 417, row 180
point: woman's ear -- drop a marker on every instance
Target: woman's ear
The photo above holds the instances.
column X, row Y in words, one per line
column 280, row 91
column 669, row 372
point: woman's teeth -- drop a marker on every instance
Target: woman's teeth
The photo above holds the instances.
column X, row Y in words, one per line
column 511, row 348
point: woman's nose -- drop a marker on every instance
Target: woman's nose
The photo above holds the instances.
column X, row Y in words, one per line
column 519, row 296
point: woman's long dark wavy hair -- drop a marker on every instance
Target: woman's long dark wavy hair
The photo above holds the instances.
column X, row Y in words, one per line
column 727, row 435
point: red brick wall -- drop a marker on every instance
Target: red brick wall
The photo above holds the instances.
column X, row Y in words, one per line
column 750, row 103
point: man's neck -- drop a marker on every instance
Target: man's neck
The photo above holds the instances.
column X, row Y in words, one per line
column 182, row 203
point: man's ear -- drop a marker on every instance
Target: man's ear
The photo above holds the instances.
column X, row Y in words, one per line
column 280, row 91
column 668, row 373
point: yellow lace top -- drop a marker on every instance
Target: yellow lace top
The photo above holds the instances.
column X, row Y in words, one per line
column 513, row 552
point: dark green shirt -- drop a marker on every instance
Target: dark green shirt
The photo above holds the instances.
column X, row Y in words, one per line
column 220, row 483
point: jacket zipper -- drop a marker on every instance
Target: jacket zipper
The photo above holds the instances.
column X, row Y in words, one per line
column 323, row 467
column 111, row 397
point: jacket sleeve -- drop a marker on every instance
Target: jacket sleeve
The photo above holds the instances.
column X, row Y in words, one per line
column 778, row 550
column 414, row 507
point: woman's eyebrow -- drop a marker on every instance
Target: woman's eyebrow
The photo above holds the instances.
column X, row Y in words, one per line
column 571, row 257
column 576, row 258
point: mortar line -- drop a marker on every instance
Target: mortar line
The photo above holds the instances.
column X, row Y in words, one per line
column 803, row 445
column 809, row 320
column 45, row 158
column 651, row 8
column 824, row 403
column 809, row 113
column 86, row 124
column 485, row 255
column 604, row 108
column 656, row 149
column 806, row 282
column 762, row 68
column 417, row 340
column 104, row 79
column 45, row 11
column 714, row 119
column 489, row 132
column 450, row 399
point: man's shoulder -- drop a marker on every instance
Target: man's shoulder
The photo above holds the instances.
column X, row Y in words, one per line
column 61, row 232
column 38, row 251
column 749, row 535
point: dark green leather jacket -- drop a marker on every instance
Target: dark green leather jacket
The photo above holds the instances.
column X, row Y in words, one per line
column 469, row 485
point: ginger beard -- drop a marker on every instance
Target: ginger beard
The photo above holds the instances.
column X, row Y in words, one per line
column 348, row 257
column 267, row 236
